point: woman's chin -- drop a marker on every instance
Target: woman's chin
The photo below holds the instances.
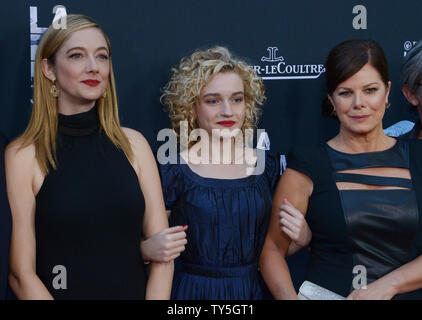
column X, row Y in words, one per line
column 90, row 98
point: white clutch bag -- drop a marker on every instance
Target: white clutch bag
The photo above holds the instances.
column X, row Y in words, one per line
column 312, row 291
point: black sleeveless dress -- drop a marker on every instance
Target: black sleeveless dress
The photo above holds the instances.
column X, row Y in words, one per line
column 362, row 232
column 88, row 219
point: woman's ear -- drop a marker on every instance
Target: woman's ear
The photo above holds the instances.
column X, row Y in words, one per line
column 331, row 101
column 411, row 97
column 388, row 94
column 48, row 70
column 388, row 88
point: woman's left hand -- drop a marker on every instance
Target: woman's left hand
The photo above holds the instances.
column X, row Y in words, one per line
column 293, row 223
column 165, row 245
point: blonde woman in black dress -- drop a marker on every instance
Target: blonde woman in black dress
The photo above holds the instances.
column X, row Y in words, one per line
column 82, row 189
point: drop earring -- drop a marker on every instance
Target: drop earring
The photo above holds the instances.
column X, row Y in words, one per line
column 54, row 90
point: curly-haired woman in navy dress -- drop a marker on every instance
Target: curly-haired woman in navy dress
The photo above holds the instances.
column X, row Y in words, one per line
column 226, row 208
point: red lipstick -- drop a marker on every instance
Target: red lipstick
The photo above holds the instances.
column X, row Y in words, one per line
column 91, row 82
column 226, row 123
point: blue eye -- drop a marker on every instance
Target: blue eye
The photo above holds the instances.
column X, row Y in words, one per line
column 238, row 100
column 75, row 56
column 103, row 57
column 212, row 101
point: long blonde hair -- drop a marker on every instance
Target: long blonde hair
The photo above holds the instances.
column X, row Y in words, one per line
column 42, row 128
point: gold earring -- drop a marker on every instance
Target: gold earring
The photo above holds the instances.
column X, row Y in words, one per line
column 105, row 94
column 54, row 90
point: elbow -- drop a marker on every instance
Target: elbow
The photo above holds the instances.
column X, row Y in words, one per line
column 262, row 259
column 270, row 254
column 261, row 265
column 14, row 283
column 19, row 281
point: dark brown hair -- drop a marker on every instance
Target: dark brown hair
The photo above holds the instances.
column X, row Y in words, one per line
column 346, row 59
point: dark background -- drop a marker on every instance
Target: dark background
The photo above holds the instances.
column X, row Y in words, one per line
column 149, row 37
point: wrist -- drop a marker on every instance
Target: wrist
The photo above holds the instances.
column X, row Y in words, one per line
column 144, row 255
column 390, row 284
column 306, row 241
column 309, row 238
column 394, row 284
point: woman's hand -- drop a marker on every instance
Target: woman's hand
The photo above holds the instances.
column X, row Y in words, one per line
column 293, row 223
column 165, row 245
column 382, row 289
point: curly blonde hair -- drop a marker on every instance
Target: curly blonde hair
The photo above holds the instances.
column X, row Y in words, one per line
column 187, row 81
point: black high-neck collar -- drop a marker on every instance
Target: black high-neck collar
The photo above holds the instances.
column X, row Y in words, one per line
column 79, row 124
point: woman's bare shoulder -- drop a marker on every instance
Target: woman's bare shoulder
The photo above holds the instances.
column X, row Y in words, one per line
column 17, row 151
column 136, row 139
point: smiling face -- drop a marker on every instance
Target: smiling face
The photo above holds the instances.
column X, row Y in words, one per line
column 221, row 103
column 81, row 67
column 360, row 101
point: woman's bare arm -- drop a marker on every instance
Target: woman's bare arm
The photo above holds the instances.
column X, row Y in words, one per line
column 21, row 167
column 297, row 188
column 155, row 217
column 404, row 279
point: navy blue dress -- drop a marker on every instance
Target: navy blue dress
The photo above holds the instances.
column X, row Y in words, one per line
column 227, row 221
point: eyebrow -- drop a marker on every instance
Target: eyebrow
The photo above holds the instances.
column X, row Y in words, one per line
column 366, row 85
column 81, row 48
column 370, row 84
column 218, row 94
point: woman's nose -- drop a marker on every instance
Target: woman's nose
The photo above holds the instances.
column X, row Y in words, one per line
column 226, row 109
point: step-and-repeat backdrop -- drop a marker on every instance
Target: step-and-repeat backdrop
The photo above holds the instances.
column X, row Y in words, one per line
column 285, row 41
